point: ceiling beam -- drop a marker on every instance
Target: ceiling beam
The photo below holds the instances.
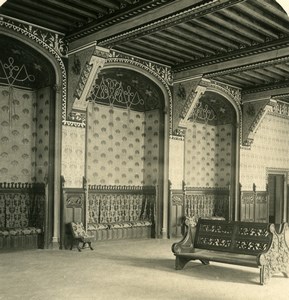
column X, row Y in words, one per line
column 255, row 76
column 233, row 13
column 216, row 28
column 166, row 43
column 33, row 19
column 28, row 12
column 50, row 10
column 229, row 81
column 273, row 8
column 264, row 18
column 107, row 3
column 198, row 39
column 167, row 50
column 242, row 30
column 272, row 77
column 279, row 72
column 71, row 8
column 178, row 36
column 139, row 46
column 252, row 77
column 283, row 67
column 244, row 81
column 134, row 52
column 91, row 6
column 210, row 35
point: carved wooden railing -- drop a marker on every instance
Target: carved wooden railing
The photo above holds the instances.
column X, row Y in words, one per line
column 196, row 202
column 254, row 205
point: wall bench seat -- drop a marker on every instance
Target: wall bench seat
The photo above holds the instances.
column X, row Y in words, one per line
column 122, row 230
column 110, row 212
column 247, row 244
column 21, row 215
column 19, row 238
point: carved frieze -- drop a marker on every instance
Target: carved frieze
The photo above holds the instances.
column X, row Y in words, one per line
column 74, row 201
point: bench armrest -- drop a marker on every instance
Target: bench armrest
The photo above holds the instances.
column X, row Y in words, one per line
column 276, row 258
column 186, row 245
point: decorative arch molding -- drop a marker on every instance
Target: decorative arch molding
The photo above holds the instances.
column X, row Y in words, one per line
column 50, row 44
column 233, row 95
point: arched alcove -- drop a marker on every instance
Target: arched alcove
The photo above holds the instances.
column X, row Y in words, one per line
column 124, row 129
column 211, row 157
column 27, row 103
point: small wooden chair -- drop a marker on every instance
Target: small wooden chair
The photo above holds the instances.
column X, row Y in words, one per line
column 80, row 236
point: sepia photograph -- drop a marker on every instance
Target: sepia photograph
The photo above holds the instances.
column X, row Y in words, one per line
column 144, row 149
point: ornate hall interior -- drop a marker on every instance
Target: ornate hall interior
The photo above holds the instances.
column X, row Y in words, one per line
column 132, row 116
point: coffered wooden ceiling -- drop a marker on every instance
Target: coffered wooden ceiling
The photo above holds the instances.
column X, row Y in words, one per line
column 239, row 42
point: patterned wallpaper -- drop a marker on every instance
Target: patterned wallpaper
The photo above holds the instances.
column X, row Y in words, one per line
column 17, row 135
column 24, row 134
column 41, row 148
column 73, row 155
column 122, row 146
column 269, row 149
column 151, row 147
column 208, row 155
column 176, row 163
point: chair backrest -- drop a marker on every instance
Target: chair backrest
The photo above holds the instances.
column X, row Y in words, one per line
column 77, row 229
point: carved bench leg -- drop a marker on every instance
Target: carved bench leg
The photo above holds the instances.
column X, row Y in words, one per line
column 265, row 274
column 205, row 262
column 181, row 262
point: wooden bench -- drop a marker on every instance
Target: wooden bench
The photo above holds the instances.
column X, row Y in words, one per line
column 247, row 244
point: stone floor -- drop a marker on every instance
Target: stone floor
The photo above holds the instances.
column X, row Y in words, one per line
column 132, row 269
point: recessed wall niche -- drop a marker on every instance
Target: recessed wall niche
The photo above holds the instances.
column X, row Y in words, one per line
column 26, row 79
column 124, row 129
column 210, row 143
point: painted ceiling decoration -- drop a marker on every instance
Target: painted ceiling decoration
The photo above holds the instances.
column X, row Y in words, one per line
column 21, row 66
column 213, row 109
column 126, row 88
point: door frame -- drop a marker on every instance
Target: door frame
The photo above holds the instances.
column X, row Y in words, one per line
column 284, row 172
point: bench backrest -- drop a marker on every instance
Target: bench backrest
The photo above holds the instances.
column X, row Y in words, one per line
column 236, row 237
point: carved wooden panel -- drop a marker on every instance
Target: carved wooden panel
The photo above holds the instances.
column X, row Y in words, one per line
column 254, row 206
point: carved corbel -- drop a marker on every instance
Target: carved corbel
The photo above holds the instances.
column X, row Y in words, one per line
column 258, row 120
column 88, row 76
column 192, row 102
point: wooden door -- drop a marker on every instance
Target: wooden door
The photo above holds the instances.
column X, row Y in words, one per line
column 276, row 198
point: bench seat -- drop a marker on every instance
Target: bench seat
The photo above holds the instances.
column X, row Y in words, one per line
column 222, row 257
column 248, row 244
column 18, row 238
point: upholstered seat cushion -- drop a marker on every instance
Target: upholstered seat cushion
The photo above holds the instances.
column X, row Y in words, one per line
column 95, row 226
column 19, row 231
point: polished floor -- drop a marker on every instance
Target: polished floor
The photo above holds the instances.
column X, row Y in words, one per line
column 132, row 269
